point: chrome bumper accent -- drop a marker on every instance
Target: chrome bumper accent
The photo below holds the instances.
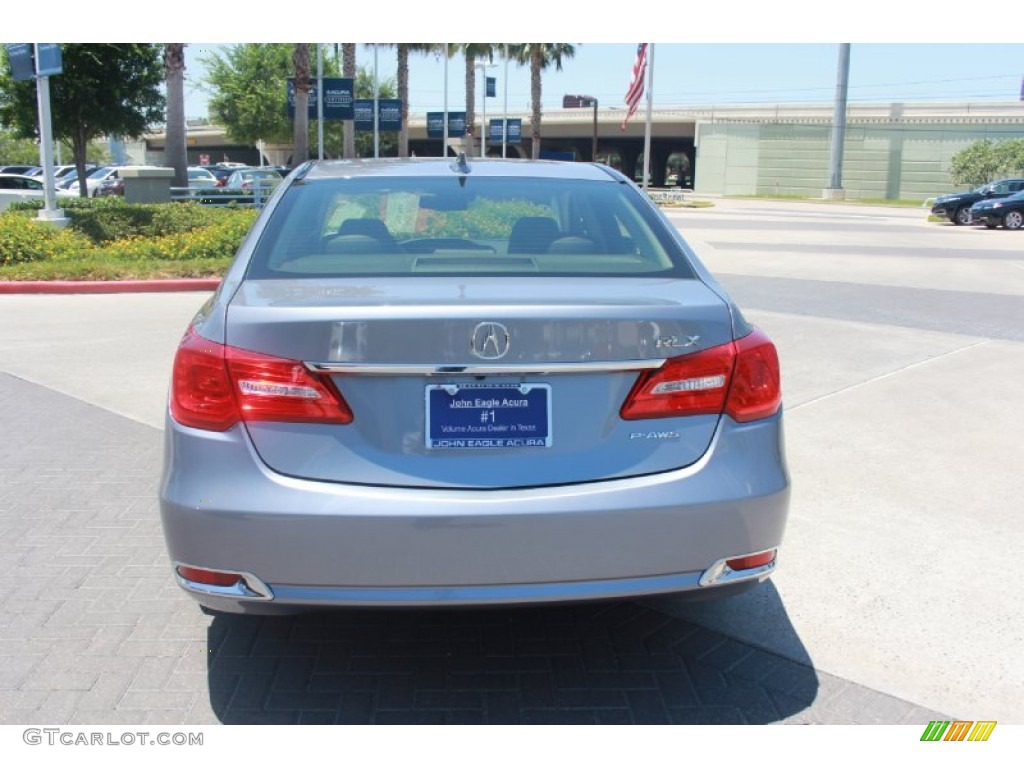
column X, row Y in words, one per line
column 720, row 573
column 248, row 587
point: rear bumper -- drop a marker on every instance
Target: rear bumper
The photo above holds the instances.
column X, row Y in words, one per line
column 315, row 544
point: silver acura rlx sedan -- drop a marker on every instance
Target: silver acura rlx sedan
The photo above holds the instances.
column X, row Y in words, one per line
column 437, row 382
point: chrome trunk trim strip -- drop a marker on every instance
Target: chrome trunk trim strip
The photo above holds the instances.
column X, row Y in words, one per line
column 400, row 369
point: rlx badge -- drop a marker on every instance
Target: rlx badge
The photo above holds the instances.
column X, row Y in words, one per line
column 672, row 342
column 490, row 341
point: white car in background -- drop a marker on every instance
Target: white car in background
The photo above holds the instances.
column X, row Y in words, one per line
column 15, row 188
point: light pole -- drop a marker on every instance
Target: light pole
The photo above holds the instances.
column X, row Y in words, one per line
column 593, row 144
column 483, row 67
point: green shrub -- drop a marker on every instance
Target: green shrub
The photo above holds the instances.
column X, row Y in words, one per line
column 217, row 240
column 23, row 239
column 106, row 219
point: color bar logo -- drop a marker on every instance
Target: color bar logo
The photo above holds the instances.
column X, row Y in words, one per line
column 958, row 730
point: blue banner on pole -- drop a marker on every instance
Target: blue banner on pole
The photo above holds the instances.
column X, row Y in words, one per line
column 389, row 114
column 20, row 56
column 338, row 99
column 491, row 83
column 456, row 125
column 515, row 130
column 50, row 61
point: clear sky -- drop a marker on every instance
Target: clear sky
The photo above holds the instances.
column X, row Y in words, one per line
column 707, row 52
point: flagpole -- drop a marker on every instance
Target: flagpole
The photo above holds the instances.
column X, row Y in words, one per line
column 647, row 122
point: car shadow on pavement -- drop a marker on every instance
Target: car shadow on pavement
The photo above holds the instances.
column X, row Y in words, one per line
column 616, row 662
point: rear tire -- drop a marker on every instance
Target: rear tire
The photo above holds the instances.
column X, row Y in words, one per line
column 1013, row 220
column 962, row 216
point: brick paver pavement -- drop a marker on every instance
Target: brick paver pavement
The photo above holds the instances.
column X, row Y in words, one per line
column 93, row 629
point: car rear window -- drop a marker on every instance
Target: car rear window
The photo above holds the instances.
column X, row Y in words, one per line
column 459, row 225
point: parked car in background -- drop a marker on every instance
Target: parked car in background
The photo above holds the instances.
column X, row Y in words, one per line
column 68, row 178
column 18, row 188
column 201, row 178
column 21, row 170
column 437, row 383
column 20, row 182
column 957, row 206
column 1005, row 211
column 97, row 177
column 253, row 180
column 15, row 188
column 223, row 172
column 112, row 187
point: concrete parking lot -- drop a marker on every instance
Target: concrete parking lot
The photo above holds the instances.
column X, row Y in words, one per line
column 901, row 344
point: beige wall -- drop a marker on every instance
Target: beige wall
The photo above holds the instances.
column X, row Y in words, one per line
column 906, row 161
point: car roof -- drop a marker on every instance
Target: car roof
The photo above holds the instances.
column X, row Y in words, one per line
column 436, row 166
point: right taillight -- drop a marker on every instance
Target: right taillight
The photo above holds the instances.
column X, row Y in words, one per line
column 214, row 387
column 756, row 390
column 739, row 378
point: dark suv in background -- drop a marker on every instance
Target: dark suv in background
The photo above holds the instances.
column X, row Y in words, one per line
column 957, row 206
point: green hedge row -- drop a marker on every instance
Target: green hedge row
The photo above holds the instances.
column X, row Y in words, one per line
column 112, row 229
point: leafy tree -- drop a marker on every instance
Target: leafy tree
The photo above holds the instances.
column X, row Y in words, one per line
column 983, row 161
column 974, row 165
column 247, row 91
column 16, row 150
column 540, row 56
column 247, row 84
column 108, row 89
column 175, row 153
column 1010, row 155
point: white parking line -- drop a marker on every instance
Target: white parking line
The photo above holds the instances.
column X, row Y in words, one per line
column 888, row 375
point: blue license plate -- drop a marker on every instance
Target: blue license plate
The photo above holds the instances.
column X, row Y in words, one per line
column 488, row 416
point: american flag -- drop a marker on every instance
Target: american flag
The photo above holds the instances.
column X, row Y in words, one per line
column 636, row 82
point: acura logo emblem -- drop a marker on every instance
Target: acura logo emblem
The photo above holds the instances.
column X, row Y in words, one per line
column 490, row 341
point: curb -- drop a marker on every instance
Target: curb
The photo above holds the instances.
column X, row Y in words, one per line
column 109, row 286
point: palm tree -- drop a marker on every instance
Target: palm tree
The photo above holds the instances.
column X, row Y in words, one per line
column 472, row 52
column 540, row 56
column 175, row 154
column 300, row 58
column 348, row 69
column 404, row 49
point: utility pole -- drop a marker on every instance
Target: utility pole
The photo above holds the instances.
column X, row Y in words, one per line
column 835, row 183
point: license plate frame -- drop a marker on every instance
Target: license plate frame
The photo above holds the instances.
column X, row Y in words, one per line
column 487, row 416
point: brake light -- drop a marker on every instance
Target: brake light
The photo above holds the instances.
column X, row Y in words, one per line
column 739, row 378
column 215, row 386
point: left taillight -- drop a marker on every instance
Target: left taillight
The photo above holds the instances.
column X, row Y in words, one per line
column 214, row 386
